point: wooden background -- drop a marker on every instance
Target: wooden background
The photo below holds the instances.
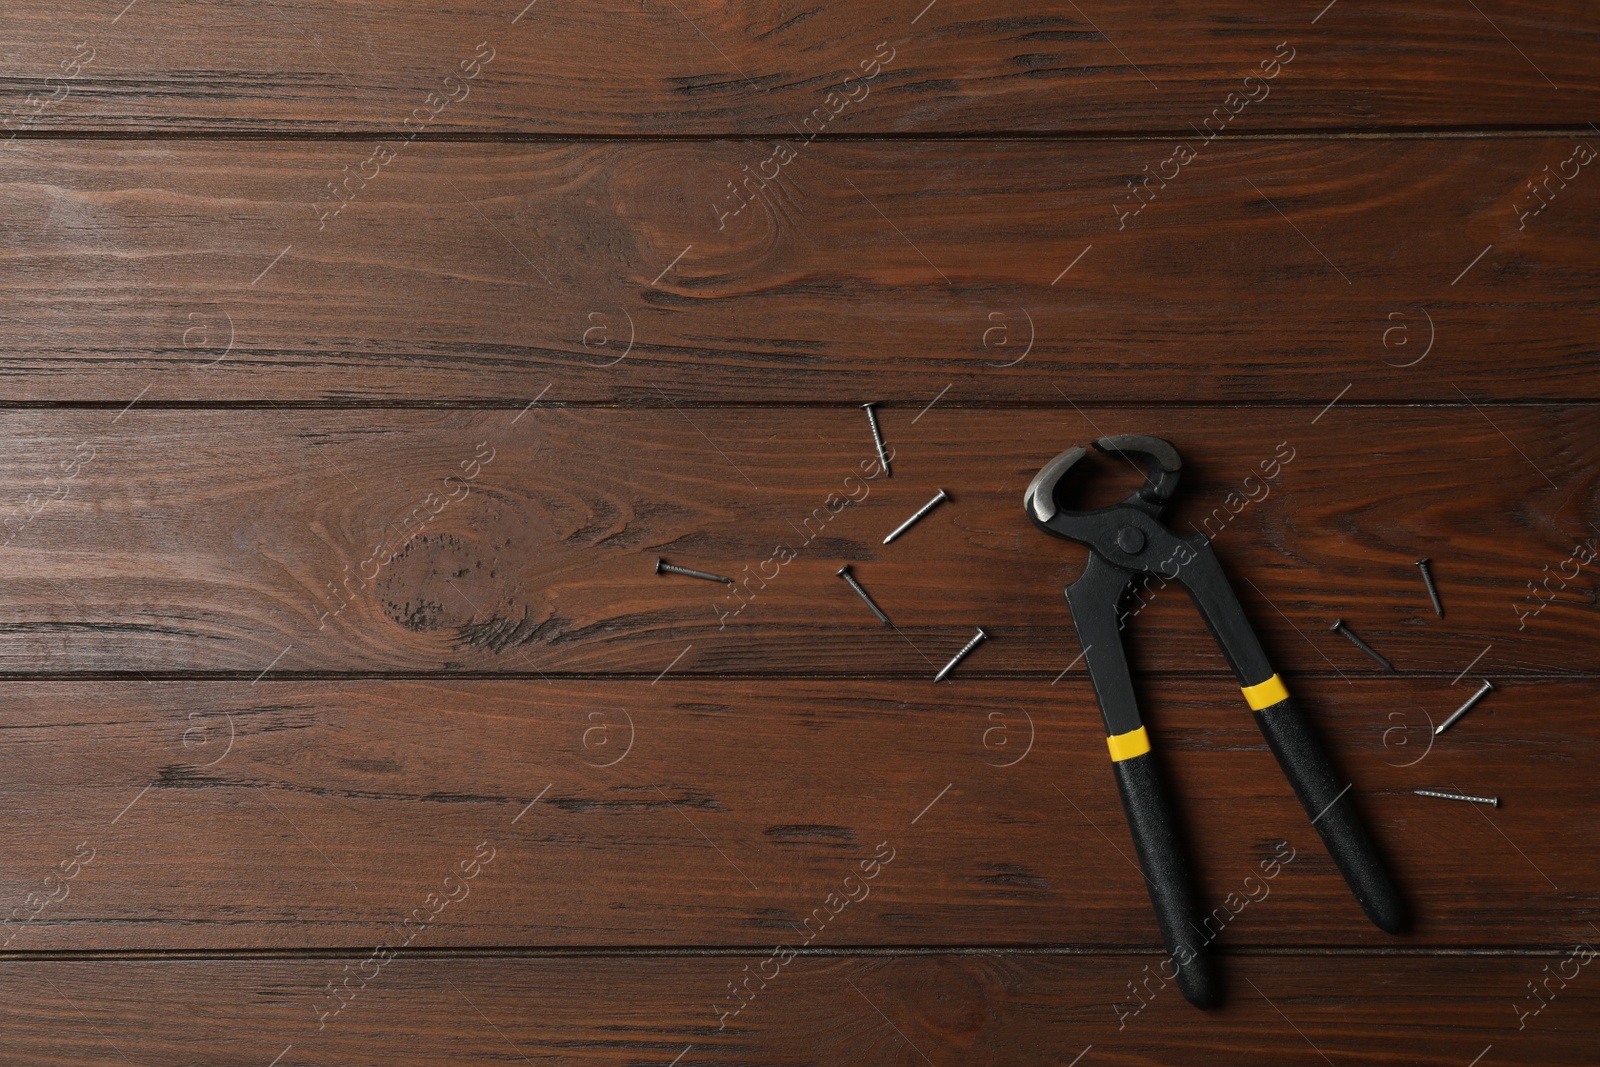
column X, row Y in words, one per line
column 328, row 537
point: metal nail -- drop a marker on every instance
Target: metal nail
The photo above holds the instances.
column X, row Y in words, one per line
column 1339, row 627
column 912, row 521
column 1493, row 802
column 959, row 656
column 844, row 572
column 877, row 437
column 1433, row 590
column 663, row 567
column 1463, row 709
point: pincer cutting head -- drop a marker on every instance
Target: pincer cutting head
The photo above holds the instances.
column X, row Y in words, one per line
column 1161, row 464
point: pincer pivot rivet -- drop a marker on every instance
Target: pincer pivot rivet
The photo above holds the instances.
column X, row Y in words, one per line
column 1130, row 539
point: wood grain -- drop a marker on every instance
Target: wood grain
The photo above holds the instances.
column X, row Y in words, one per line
column 702, row 68
column 177, row 541
column 361, row 359
column 225, row 816
column 1013, row 1010
column 992, row 272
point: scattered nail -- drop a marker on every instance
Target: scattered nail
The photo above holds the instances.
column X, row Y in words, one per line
column 1493, row 802
column 959, row 656
column 1339, row 627
column 1433, row 590
column 877, row 437
column 844, row 572
column 912, row 521
column 663, row 567
column 1463, row 709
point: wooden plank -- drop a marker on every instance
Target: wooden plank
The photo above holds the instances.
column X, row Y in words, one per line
column 1013, row 1010
column 699, row 68
column 178, row 541
column 226, row 816
column 994, row 272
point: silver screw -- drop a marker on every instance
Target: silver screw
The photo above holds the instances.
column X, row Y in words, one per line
column 1463, row 709
column 912, row 521
column 1493, row 802
column 959, row 656
column 663, row 567
column 877, row 438
column 844, row 572
column 1339, row 627
column 1433, row 590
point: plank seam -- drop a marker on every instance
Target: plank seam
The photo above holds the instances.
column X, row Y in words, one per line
column 1331, row 133
column 334, row 677
column 740, row 951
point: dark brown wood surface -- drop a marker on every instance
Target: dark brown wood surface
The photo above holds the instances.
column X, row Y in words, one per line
column 701, row 812
column 352, row 541
column 359, row 361
column 699, row 68
column 1267, row 270
column 964, row 1009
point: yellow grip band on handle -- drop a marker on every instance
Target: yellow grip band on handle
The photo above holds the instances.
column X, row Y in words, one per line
column 1270, row 692
column 1128, row 745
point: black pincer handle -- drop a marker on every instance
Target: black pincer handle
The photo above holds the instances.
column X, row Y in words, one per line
column 1166, row 873
column 1328, row 803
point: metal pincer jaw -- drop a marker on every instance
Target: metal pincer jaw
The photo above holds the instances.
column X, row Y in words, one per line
column 1162, row 467
column 1039, row 500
